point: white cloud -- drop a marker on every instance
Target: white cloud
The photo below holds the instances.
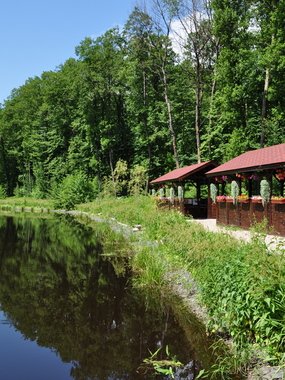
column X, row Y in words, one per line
column 178, row 36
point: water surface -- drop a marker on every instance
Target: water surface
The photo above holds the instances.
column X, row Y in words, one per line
column 67, row 309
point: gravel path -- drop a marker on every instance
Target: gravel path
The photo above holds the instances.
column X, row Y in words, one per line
column 274, row 243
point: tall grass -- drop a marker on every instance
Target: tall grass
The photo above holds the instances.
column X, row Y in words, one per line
column 27, row 201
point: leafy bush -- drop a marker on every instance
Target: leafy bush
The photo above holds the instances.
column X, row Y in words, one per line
column 19, row 192
column 95, row 184
column 25, row 185
column 75, row 188
column 38, row 193
column 116, row 185
column 3, row 193
column 138, row 180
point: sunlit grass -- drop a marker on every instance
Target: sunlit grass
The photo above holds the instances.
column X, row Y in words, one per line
column 26, row 202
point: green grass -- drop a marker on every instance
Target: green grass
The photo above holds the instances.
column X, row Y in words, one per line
column 26, row 202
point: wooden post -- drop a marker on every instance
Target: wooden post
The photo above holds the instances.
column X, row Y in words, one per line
column 270, row 183
column 249, row 188
column 198, row 191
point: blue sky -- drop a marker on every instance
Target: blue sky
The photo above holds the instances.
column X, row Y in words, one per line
column 39, row 35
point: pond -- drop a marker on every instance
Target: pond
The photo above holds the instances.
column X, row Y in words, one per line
column 68, row 309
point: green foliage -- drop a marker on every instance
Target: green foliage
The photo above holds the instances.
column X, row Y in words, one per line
column 161, row 366
column 232, row 364
column 120, row 177
column 108, row 188
column 74, row 189
column 95, row 184
column 249, row 304
column 117, row 183
column 38, row 193
column 149, row 270
column 138, row 180
column 3, row 192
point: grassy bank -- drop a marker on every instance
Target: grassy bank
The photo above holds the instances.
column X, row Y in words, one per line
column 242, row 285
column 26, row 202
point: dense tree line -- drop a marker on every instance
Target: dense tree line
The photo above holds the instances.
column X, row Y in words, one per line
column 183, row 81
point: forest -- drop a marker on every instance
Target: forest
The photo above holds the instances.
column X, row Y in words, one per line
column 183, row 81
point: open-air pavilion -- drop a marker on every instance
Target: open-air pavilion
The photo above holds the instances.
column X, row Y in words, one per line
column 252, row 171
column 175, row 182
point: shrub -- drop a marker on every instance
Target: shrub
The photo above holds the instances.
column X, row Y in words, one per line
column 26, row 184
column 95, row 185
column 19, row 192
column 138, row 180
column 116, row 185
column 75, row 188
column 3, row 193
column 38, row 193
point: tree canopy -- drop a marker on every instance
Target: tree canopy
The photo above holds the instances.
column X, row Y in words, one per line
column 182, row 81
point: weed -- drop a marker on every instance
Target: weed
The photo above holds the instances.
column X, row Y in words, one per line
column 160, row 366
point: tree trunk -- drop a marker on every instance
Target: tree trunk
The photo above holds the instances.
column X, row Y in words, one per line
column 3, row 168
column 145, row 123
column 198, row 100
column 112, row 168
column 213, row 90
column 264, row 107
column 146, row 127
column 170, row 120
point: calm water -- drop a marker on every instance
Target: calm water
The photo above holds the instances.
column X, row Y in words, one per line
column 67, row 310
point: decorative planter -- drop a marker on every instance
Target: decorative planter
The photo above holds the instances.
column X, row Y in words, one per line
column 278, row 201
column 220, row 199
column 243, row 200
column 256, row 200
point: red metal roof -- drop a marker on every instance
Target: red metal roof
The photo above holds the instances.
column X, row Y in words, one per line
column 253, row 160
column 182, row 173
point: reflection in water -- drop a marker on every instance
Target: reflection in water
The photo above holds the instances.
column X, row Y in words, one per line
column 67, row 305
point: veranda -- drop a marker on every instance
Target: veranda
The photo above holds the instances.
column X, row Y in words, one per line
column 251, row 171
column 170, row 190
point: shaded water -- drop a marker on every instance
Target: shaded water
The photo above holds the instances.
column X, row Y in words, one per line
column 67, row 310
